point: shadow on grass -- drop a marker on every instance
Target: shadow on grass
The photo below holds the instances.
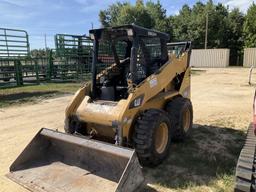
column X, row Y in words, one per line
column 208, row 153
column 23, row 97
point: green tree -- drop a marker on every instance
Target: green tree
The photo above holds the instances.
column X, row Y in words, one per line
column 218, row 25
column 158, row 14
column 250, row 27
column 190, row 24
column 110, row 16
column 150, row 15
column 234, row 36
column 197, row 25
column 137, row 14
column 224, row 26
column 39, row 52
column 181, row 23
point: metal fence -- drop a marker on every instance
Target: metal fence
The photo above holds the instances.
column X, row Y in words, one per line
column 211, row 58
column 70, row 61
column 16, row 65
column 18, row 71
column 13, row 43
column 249, row 57
column 73, row 57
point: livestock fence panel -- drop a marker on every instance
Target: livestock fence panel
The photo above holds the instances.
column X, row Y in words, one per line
column 73, row 57
column 16, row 65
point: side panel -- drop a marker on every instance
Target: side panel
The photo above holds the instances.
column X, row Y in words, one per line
column 151, row 87
column 151, row 93
column 185, row 89
column 77, row 99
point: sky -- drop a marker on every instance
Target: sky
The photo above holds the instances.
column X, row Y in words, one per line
column 48, row 17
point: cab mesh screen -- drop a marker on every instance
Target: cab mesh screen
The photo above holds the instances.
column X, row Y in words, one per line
column 149, row 56
column 106, row 55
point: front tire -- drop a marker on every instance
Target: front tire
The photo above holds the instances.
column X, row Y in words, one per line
column 74, row 126
column 152, row 137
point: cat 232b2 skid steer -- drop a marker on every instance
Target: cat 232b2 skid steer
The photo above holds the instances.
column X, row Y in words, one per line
column 124, row 118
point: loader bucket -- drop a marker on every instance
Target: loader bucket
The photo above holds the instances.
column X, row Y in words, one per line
column 57, row 162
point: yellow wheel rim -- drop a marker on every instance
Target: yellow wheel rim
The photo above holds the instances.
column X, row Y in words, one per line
column 186, row 120
column 161, row 138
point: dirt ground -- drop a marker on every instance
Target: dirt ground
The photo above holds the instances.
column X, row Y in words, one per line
column 222, row 102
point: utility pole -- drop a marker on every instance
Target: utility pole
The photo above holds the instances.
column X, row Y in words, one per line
column 92, row 24
column 45, row 42
column 206, row 31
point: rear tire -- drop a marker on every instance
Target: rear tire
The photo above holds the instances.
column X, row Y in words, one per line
column 180, row 112
column 152, row 137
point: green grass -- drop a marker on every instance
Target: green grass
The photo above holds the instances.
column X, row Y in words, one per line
column 34, row 93
column 205, row 161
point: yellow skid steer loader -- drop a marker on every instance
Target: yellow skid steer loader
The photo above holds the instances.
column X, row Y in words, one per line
column 137, row 102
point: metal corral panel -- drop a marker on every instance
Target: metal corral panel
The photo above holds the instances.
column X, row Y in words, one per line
column 211, row 58
column 249, row 57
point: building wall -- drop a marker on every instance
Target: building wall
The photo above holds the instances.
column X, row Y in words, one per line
column 212, row 58
column 249, row 57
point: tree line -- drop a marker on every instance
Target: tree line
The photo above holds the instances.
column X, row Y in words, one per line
column 226, row 28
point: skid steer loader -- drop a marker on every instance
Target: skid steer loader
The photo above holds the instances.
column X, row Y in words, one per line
column 137, row 102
